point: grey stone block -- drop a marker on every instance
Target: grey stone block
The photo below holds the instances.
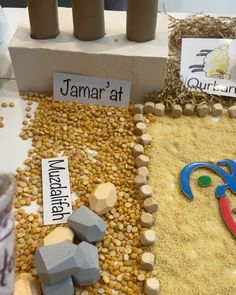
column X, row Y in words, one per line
column 87, row 225
column 90, row 272
column 65, row 287
column 55, row 263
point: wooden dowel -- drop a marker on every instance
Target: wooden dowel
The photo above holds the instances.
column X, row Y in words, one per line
column 88, row 18
column 43, row 16
column 141, row 20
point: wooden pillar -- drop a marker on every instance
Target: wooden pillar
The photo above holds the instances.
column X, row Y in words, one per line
column 88, row 17
column 141, row 20
column 43, row 16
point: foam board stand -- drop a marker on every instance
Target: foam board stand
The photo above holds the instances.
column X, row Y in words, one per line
column 113, row 56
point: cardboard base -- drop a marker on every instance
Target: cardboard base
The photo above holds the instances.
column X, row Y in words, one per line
column 113, row 56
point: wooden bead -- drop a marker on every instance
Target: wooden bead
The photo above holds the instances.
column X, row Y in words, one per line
column 140, row 128
column 147, row 261
column 103, row 198
column 58, row 235
column 147, row 219
column 202, row 110
column 176, row 111
column 25, row 284
column 159, row 109
column 23, row 276
column 148, row 237
column 152, row 286
column 143, row 171
column 232, row 111
column 137, row 109
column 145, row 139
column 138, row 118
column 189, row 109
column 145, row 191
column 217, row 110
column 150, row 205
column 140, row 180
column 138, row 150
column 142, row 160
column 149, row 108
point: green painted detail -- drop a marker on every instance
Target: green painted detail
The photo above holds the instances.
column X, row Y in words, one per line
column 204, row 181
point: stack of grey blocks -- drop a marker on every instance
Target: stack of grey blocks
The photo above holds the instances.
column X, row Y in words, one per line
column 62, row 265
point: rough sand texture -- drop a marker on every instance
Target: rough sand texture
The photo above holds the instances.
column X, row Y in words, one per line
column 195, row 252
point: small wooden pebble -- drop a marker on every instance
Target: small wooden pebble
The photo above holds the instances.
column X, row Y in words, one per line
column 140, row 128
column 4, row 104
column 149, row 108
column 217, row 110
column 25, row 284
column 189, row 109
column 202, row 110
column 143, row 171
column 159, row 109
column 145, row 139
column 1, row 124
column 150, row 205
column 145, row 191
column 176, row 111
column 137, row 109
column 140, row 180
column 142, row 160
column 138, row 118
column 152, row 286
column 11, row 104
column 148, row 237
column 232, row 111
column 147, row 261
column 58, row 235
column 23, row 276
column 138, row 150
column 147, row 219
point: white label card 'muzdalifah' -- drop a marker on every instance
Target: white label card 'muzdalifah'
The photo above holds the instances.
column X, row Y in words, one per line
column 57, row 205
column 99, row 91
column 209, row 65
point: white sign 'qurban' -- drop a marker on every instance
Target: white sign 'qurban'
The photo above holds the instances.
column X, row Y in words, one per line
column 91, row 90
column 209, row 65
column 57, row 205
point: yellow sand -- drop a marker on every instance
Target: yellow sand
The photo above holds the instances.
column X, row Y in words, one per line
column 195, row 252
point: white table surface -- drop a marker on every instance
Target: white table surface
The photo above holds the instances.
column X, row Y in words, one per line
column 13, row 150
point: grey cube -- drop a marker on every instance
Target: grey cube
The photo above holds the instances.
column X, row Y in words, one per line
column 87, row 225
column 55, row 263
column 90, row 272
column 65, row 287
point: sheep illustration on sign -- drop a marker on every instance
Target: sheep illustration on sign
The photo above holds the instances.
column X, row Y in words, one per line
column 215, row 62
column 209, row 65
column 230, row 184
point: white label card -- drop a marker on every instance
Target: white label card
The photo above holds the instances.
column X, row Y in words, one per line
column 209, row 65
column 91, row 90
column 57, row 205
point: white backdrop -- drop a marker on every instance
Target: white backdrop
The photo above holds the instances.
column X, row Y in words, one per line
column 217, row 6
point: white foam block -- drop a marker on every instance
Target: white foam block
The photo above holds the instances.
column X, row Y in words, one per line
column 113, row 56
